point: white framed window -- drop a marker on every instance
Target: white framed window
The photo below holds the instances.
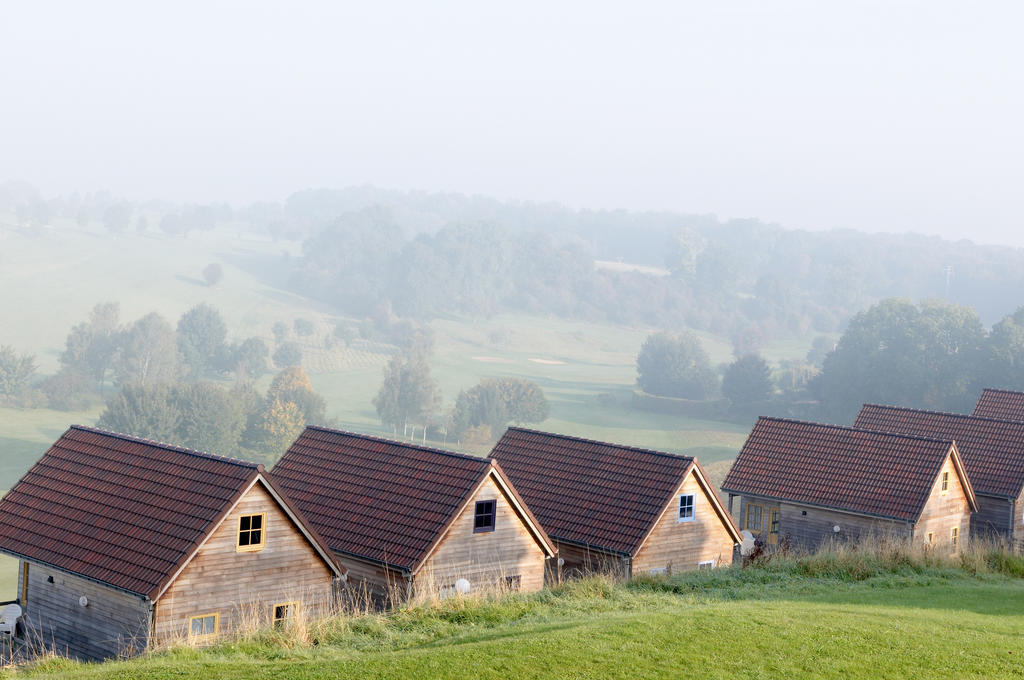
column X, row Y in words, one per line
column 659, row 570
column 686, row 507
column 706, row 564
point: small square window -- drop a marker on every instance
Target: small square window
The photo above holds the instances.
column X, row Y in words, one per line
column 285, row 612
column 252, row 532
column 686, row 507
column 945, row 481
column 513, row 583
column 707, row 564
column 203, row 626
column 483, row 517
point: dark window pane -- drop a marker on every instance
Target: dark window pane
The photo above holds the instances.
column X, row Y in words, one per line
column 197, row 626
column 483, row 518
column 245, row 522
column 254, row 537
column 257, row 521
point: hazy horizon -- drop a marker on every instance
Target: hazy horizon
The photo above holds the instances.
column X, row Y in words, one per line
column 892, row 117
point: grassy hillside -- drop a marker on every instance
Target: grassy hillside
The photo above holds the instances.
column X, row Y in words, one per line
column 930, row 623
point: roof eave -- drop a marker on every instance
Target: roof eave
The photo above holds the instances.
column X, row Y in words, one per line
column 49, row 565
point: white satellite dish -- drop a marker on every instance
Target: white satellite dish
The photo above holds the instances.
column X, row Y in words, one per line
column 462, row 586
column 747, row 546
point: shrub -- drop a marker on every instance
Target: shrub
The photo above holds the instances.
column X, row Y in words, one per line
column 213, row 273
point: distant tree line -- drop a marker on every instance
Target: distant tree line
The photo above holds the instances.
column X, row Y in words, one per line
column 675, row 365
column 933, row 355
column 102, row 353
column 419, row 255
column 203, row 415
column 167, row 382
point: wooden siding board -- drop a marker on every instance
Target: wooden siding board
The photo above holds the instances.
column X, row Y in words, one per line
column 220, row 579
column 486, row 557
column 1016, row 519
column 113, row 623
column 943, row 511
column 581, row 560
column 993, row 518
column 816, row 528
column 680, row 546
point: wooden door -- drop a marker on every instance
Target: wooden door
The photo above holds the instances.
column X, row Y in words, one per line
column 773, row 526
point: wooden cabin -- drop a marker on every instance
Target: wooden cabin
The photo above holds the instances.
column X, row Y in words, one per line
column 618, row 508
column 126, row 543
column 993, row 454
column 1000, row 404
column 407, row 519
column 808, row 484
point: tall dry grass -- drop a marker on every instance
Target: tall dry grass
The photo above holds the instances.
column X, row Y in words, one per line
column 876, row 555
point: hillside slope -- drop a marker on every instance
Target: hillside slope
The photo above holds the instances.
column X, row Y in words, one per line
column 732, row 624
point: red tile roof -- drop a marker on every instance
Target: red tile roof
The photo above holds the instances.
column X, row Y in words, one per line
column 592, row 493
column 1003, row 404
column 856, row 470
column 375, row 498
column 119, row 510
column 992, row 450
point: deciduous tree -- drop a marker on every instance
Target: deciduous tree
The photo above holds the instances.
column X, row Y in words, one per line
column 16, row 372
column 408, row 395
column 675, row 366
column 288, row 354
column 201, row 339
column 149, row 411
column 148, row 354
column 292, row 385
column 747, row 380
column 213, row 273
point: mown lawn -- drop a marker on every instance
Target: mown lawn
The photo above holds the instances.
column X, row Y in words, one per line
column 731, row 625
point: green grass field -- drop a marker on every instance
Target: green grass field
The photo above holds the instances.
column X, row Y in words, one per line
column 729, row 624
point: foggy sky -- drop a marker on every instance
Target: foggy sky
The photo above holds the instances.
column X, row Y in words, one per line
column 881, row 116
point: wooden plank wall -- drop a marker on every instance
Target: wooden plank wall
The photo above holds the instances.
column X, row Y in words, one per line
column 244, row 586
column 1017, row 522
column 485, row 559
column 114, row 623
column 993, row 518
column 373, row 581
column 679, row 546
column 943, row 511
column 811, row 530
column 579, row 561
